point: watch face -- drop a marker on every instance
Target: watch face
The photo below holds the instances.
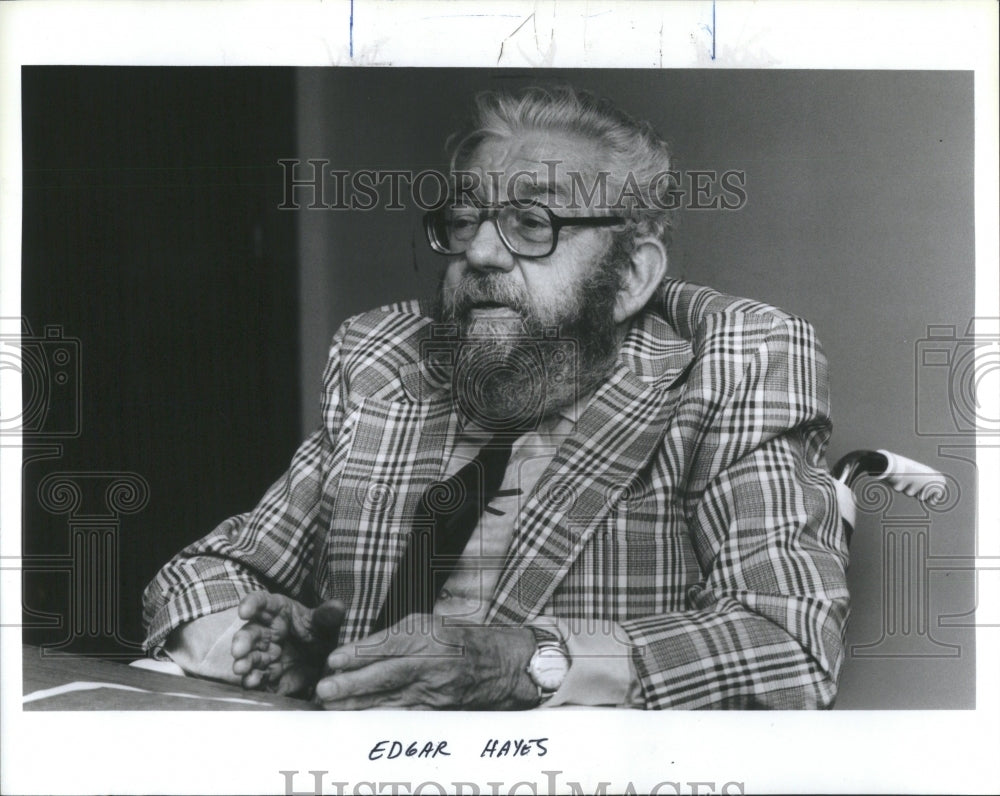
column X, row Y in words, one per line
column 548, row 668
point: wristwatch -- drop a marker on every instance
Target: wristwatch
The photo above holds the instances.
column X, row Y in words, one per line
column 549, row 663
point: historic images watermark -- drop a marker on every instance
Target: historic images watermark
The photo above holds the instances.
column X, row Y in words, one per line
column 548, row 783
column 312, row 185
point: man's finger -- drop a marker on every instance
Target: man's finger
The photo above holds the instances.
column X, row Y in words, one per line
column 244, row 665
column 379, row 677
column 326, row 621
column 248, row 638
column 275, row 670
column 253, row 679
column 365, row 702
column 261, row 604
column 359, row 654
column 251, row 604
column 393, row 642
column 256, row 660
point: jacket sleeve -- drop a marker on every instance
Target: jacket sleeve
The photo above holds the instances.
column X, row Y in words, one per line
column 270, row 548
column 765, row 626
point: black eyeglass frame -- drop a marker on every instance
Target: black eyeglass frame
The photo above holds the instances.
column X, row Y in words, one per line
column 492, row 213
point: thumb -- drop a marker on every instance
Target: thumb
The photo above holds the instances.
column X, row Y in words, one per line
column 326, row 621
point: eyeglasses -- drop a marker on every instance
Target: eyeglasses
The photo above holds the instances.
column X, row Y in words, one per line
column 527, row 228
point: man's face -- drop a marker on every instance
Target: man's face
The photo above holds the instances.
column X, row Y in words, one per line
column 508, row 305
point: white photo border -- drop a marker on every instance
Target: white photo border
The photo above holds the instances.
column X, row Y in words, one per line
column 885, row 751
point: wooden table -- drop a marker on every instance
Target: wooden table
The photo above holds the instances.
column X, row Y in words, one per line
column 130, row 688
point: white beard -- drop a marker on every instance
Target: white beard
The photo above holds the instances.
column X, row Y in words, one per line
column 512, row 383
column 516, row 364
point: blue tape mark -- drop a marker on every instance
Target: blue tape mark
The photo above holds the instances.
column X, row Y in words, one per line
column 351, row 44
column 713, row 27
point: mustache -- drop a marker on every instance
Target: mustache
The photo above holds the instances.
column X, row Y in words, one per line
column 479, row 288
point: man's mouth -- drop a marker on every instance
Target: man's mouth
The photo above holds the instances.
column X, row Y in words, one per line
column 492, row 308
column 491, row 318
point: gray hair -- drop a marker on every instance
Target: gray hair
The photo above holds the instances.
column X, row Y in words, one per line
column 640, row 159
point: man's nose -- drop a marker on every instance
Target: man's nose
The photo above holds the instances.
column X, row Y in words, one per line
column 486, row 251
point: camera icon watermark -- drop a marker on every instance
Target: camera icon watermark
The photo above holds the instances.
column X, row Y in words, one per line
column 957, row 380
column 49, row 367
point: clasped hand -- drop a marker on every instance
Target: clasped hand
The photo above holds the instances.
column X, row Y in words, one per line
column 283, row 644
column 421, row 662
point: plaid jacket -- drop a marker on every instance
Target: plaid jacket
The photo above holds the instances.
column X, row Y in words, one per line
column 690, row 505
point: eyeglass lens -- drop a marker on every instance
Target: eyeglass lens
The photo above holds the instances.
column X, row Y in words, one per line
column 526, row 230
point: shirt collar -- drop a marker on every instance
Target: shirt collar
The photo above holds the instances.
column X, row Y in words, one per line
column 562, row 421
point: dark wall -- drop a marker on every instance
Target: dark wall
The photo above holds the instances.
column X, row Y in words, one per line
column 151, row 236
column 859, row 218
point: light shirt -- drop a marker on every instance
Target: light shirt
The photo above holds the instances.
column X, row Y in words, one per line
column 602, row 672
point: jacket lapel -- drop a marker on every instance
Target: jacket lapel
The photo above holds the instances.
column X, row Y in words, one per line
column 401, row 436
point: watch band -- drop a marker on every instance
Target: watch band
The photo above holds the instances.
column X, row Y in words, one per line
column 544, row 635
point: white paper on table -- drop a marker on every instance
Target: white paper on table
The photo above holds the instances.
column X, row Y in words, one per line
column 154, row 665
column 80, row 685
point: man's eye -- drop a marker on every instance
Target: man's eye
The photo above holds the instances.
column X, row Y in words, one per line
column 532, row 221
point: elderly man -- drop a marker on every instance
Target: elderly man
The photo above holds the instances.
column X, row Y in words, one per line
column 569, row 480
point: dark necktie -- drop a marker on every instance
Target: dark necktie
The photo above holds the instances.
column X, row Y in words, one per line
column 448, row 513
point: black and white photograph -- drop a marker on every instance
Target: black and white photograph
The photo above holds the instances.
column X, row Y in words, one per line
column 529, row 422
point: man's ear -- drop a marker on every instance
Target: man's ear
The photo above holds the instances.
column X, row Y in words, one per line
column 646, row 268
